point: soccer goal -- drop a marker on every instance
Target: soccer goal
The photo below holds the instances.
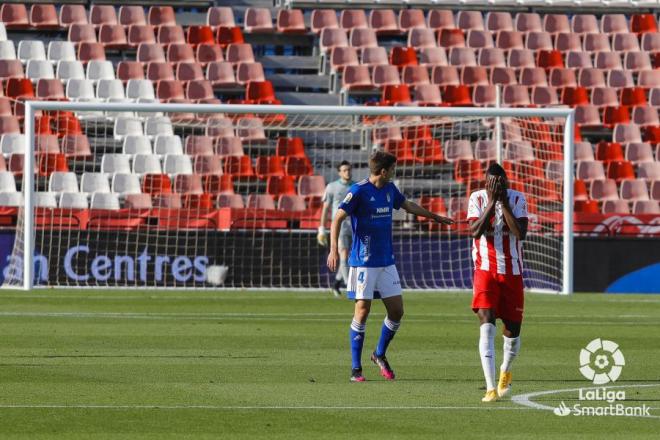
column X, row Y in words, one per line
column 126, row 195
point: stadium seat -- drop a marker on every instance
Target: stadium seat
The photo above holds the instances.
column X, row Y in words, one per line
column 638, row 152
column 14, row 16
column 596, row 43
column 462, row 56
column 649, row 171
column 280, row 185
column 625, row 133
column 239, row 53
column 229, row 35
column 603, row 190
column 456, row 150
column 267, row 166
column 220, row 128
column 544, row 96
column 620, row 170
column 590, row 170
column 246, row 72
column 45, row 200
column 260, row 92
column 221, row 74
column 73, row 201
column 7, row 182
column 80, row 90
column 655, row 190
column 440, row 19
column 451, row 38
column 578, row 60
column 76, row 146
column 331, row 38
column 290, row 21
column 519, row 58
column 12, row 143
column 361, row 38
column 90, row 51
column 165, row 144
column 150, row 52
column 39, row 69
column 617, row 206
column 239, row 166
column 208, row 53
column 549, row 59
column 189, row 72
column 311, row 186
column 539, row 41
column 136, row 144
column 113, row 37
column 110, row 89
column 515, row 96
column 583, row 151
column 63, row 182
column 197, row 34
column 94, row 183
column 625, row 43
column 258, row 20
column 646, row 207
column 103, row 14
column 43, row 16
column 411, row 19
column 188, row 184
column 9, row 125
column 427, row 95
column 155, row 126
column 568, row 42
column 634, row 189
column 474, row 75
column 180, row 53
column 218, row 184
column 643, row 23
column 101, row 200
column 499, row 21
column 229, row 201
column 208, row 164
column 445, row 76
column 470, row 20
column 30, row 50
column 479, row 39
column 609, row 151
column 98, row 69
column 147, row 164
column 156, row 184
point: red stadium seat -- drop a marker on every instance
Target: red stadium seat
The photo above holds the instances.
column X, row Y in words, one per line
column 161, row 16
column 130, row 70
column 156, row 184
column 451, row 38
column 297, row 166
column 395, row 95
column 43, row 16
column 468, row 170
column 323, row 18
column 609, row 151
column 434, row 204
column 620, row 170
column 225, row 36
column 14, row 16
column 239, row 166
column 292, row 147
column 260, row 92
column 200, row 35
column 72, row 14
column 549, row 59
column 180, row 53
column 643, row 23
column 50, row 163
column 291, row 21
column 19, row 88
column 113, row 36
column 278, row 185
column 457, row 96
column 90, row 51
column 218, row 184
column 586, row 207
column 130, row 15
column 103, row 14
column 269, row 166
column 403, row 56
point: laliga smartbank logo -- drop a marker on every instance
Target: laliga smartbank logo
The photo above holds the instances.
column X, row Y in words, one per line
column 601, row 362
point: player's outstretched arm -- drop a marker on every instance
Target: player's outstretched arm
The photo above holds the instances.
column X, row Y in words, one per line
column 415, row 209
column 333, row 257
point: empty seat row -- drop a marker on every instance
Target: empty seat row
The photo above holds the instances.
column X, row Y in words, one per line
column 617, row 169
column 386, row 20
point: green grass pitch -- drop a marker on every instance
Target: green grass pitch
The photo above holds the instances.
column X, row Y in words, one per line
column 200, row 364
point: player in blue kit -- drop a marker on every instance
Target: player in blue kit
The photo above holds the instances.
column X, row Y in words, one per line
column 372, row 273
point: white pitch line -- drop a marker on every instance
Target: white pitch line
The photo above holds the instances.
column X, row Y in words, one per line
column 526, row 399
column 288, row 408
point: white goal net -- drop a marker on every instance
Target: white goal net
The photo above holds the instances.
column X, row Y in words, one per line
column 207, row 196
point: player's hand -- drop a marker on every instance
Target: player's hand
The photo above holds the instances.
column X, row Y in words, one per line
column 322, row 238
column 333, row 260
column 502, row 186
column 443, row 220
column 491, row 187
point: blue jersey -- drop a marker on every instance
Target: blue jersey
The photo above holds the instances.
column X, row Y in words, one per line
column 371, row 210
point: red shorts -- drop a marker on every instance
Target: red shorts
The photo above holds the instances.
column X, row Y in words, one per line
column 502, row 293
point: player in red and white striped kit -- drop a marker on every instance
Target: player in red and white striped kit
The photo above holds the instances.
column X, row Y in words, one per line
column 498, row 221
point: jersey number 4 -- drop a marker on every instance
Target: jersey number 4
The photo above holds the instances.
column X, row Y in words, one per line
column 361, row 277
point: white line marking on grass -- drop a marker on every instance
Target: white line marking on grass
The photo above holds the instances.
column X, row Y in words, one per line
column 239, row 408
column 525, row 400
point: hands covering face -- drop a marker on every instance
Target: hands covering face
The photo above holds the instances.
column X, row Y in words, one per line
column 496, row 187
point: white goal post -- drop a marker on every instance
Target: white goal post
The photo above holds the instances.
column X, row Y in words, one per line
column 325, row 130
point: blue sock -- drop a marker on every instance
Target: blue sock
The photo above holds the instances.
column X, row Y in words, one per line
column 386, row 335
column 357, row 341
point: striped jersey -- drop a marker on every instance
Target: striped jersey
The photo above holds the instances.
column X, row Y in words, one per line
column 497, row 250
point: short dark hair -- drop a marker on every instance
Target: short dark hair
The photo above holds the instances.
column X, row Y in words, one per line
column 495, row 169
column 380, row 160
column 343, row 163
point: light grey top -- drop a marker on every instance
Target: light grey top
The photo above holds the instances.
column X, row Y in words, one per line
column 335, row 193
